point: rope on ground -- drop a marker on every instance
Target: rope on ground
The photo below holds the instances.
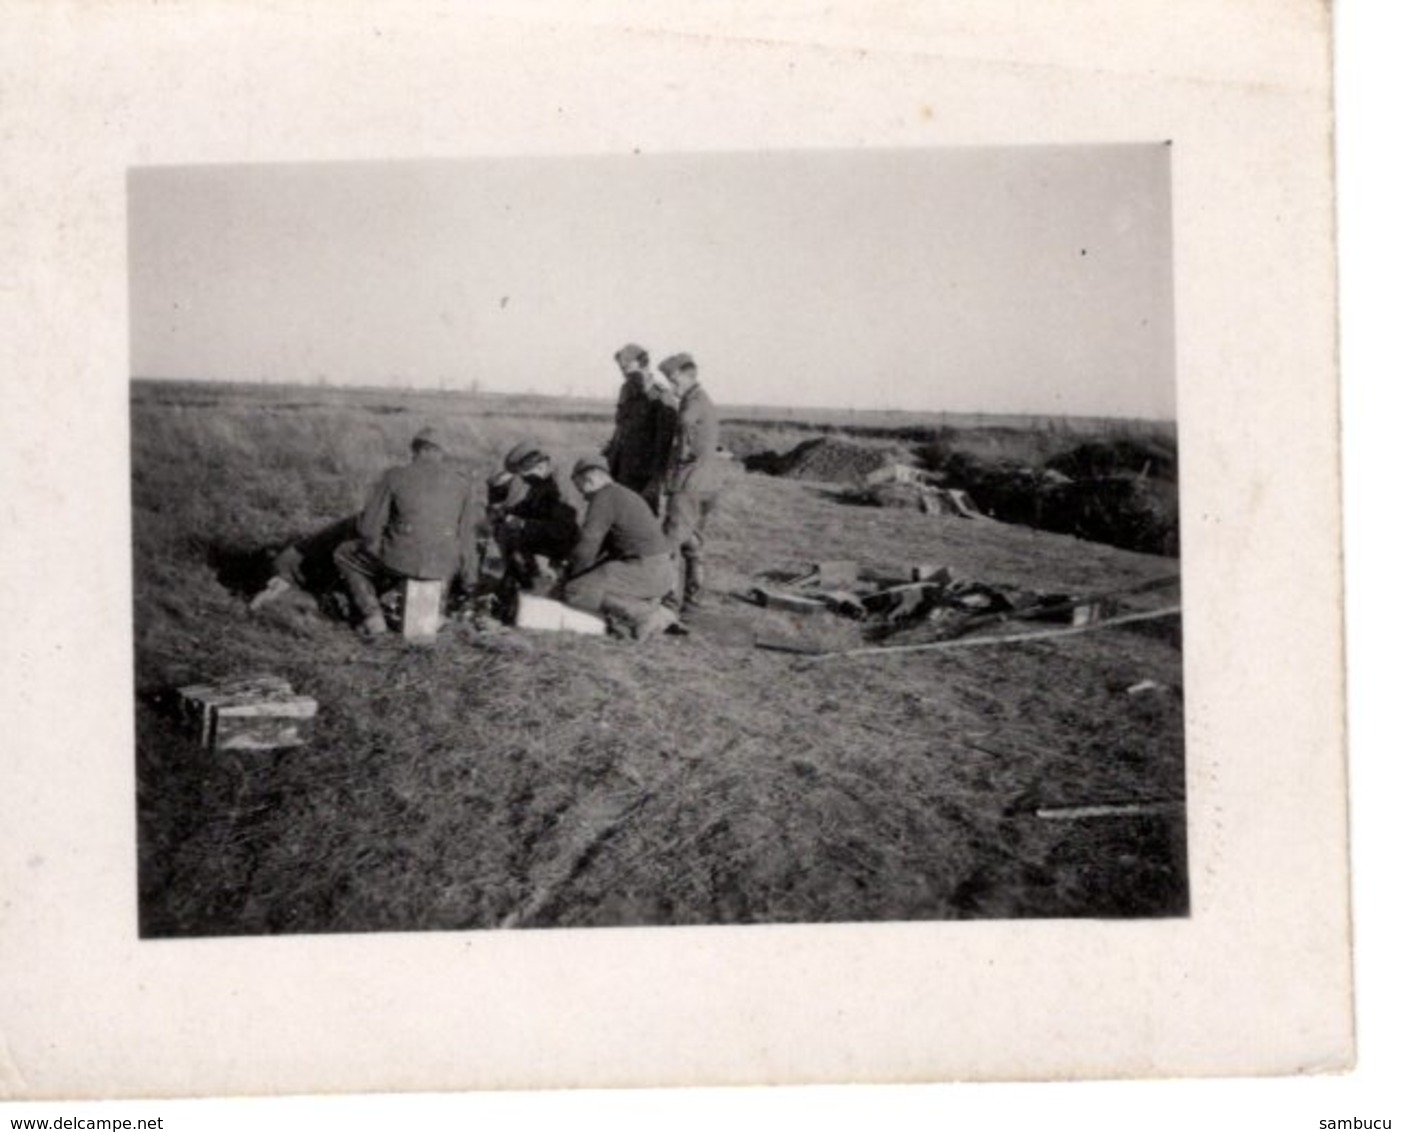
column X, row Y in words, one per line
column 1014, row 638
column 1108, row 810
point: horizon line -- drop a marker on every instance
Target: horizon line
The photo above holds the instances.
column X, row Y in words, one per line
column 607, row 400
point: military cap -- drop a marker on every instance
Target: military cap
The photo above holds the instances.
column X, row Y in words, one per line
column 631, row 353
column 498, row 488
column 427, row 438
column 523, row 455
column 590, row 463
column 677, row 361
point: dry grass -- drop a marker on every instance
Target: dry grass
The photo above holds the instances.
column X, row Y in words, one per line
column 535, row 780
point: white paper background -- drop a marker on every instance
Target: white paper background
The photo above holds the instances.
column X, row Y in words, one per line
column 1255, row 982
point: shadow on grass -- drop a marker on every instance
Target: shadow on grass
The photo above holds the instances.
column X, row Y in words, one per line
column 241, row 570
column 308, row 560
column 767, row 463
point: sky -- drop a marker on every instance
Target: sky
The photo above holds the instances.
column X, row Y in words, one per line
column 994, row 280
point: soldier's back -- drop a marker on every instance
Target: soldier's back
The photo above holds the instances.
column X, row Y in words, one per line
column 428, row 500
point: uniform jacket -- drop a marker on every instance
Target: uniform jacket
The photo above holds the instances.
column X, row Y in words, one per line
column 418, row 520
column 695, row 460
column 645, row 422
column 618, row 524
column 548, row 520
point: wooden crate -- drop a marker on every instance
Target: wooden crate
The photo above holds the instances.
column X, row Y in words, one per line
column 251, row 713
column 423, row 610
column 282, row 720
column 197, row 701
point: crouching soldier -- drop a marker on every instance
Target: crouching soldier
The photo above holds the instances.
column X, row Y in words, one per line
column 307, row 568
column 622, row 564
column 417, row 523
column 692, row 479
column 535, row 529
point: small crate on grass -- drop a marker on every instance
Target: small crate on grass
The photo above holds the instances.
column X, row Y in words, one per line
column 283, row 720
column 197, row 701
column 251, row 713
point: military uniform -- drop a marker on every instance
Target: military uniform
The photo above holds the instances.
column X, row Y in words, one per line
column 693, row 487
column 417, row 523
column 535, row 520
column 548, row 525
column 644, row 425
column 309, row 563
column 621, row 553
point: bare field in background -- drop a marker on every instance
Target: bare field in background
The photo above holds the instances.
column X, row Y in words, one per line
column 540, row 780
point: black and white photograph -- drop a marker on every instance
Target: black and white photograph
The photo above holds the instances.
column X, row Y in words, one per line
column 656, row 540
column 632, row 547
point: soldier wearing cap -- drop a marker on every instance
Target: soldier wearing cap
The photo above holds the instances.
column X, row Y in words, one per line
column 692, row 475
column 417, row 523
column 531, row 520
column 622, row 554
column 643, row 426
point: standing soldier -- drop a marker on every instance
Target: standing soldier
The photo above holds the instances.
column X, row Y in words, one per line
column 692, row 476
column 417, row 523
column 645, row 424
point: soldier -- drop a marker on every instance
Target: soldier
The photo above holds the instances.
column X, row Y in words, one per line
column 417, row 523
column 306, row 569
column 622, row 562
column 644, row 424
column 692, row 479
column 533, row 521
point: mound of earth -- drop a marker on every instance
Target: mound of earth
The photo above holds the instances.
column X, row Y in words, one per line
column 829, row 459
column 744, row 443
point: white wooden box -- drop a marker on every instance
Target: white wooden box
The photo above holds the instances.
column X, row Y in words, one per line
column 554, row 616
column 423, row 610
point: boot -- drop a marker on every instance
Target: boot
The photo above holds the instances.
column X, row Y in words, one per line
column 373, row 626
column 638, row 619
column 276, row 587
column 658, row 619
column 694, row 585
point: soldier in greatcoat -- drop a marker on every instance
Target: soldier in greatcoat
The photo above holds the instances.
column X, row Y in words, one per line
column 644, row 424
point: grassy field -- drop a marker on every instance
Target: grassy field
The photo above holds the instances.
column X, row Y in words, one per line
column 519, row 780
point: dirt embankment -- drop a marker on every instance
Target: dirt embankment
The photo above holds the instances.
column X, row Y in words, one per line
column 1121, row 490
column 828, row 459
